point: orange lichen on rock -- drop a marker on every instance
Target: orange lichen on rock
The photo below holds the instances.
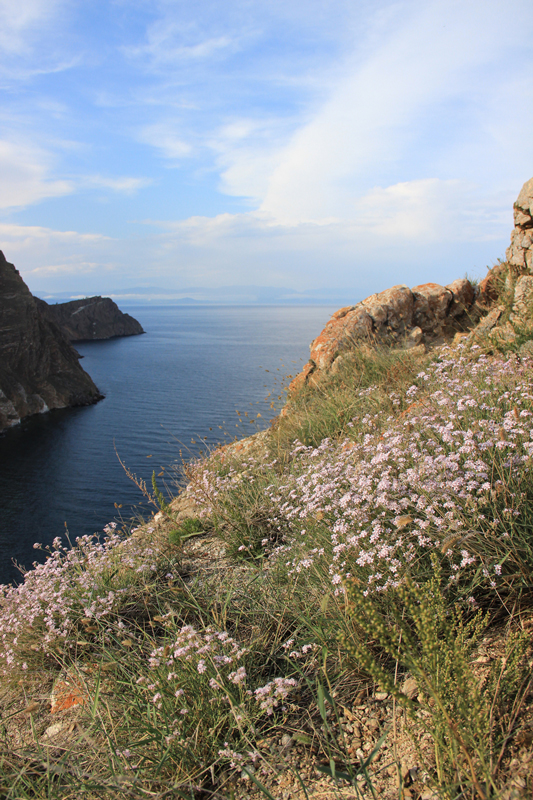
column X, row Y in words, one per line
column 67, row 693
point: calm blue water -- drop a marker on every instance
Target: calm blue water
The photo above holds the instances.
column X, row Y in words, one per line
column 177, row 383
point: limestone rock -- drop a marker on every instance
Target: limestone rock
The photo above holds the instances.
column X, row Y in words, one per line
column 391, row 310
column 91, row 318
column 492, row 285
column 488, row 323
column 431, row 306
column 39, row 369
column 523, row 300
column 519, row 254
column 464, row 295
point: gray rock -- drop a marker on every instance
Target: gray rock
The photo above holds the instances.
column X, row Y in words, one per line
column 523, row 300
column 488, row 322
column 519, row 254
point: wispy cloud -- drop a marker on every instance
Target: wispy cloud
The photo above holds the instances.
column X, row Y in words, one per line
column 165, row 45
column 25, row 175
column 387, row 107
column 22, row 22
column 165, row 137
column 123, row 185
column 21, row 235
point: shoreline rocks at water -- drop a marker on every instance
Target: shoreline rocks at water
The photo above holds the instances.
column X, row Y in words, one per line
column 39, row 369
column 90, row 319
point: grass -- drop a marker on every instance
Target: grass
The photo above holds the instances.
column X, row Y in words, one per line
column 371, row 551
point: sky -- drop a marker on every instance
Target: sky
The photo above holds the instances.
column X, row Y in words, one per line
column 252, row 151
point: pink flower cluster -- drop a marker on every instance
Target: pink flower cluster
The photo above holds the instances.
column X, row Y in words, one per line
column 274, row 692
column 71, row 585
column 399, row 488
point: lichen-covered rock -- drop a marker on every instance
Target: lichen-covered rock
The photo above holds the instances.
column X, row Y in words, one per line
column 523, row 300
column 345, row 327
column 39, row 369
column 391, row 311
column 91, row 318
column 519, row 254
column 464, row 295
column 432, row 303
column 399, row 317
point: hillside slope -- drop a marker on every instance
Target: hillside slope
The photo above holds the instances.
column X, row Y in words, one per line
column 338, row 607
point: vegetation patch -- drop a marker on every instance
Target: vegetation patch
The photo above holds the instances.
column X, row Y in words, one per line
column 345, row 612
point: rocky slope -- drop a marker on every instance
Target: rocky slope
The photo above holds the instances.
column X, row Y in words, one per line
column 39, row 370
column 430, row 314
column 90, row 318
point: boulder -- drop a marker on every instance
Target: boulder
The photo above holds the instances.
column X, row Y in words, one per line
column 431, row 305
column 391, row 311
column 464, row 295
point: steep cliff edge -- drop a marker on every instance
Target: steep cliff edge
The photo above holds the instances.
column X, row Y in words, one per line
column 90, row 318
column 39, row 370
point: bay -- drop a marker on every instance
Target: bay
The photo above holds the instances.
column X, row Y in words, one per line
column 170, row 394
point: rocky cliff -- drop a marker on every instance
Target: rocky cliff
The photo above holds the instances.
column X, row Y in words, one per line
column 430, row 314
column 91, row 318
column 39, row 370
column 519, row 254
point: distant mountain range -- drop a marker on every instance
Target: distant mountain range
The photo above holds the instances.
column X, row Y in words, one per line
column 224, row 295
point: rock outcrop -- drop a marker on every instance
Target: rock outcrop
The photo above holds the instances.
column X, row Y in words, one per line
column 91, row 318
column 428, row 314
column 39, row 369
column 519, row 254
column 431, row 314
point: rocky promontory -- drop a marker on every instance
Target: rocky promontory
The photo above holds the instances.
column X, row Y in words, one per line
column 429, row 315
column 39, row 369
column 90, row 318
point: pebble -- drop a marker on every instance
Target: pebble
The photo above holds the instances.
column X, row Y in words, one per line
column 53, row 730
column 287, row 741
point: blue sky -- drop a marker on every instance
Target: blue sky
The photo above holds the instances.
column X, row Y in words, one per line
column 260, row 150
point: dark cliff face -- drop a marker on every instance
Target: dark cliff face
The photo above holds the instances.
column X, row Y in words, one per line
column 39, row 370
column 91, row 318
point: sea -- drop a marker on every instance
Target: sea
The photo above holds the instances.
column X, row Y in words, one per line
column 199, row 376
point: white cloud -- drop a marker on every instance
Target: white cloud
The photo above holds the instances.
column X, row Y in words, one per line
column 433, row 210
column 164, row 45
column 420, row 64
column 122, row 185
column 21, row 20
column 46, row 257
column 20, row 236
column 80, row 267
column 25, row 175
column 163, row 137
